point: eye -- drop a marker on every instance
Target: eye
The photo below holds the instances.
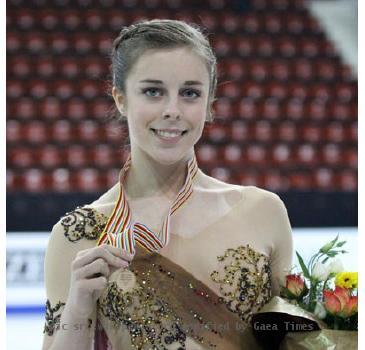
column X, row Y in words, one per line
column 191, row 93
column 152, row 92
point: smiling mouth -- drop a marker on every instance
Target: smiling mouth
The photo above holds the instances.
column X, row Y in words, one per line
column 169, row 133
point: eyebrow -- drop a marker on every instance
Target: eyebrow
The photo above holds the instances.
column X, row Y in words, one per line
column 188, row 82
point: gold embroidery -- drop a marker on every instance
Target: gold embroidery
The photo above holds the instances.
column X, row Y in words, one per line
column 245, row 280
column 83, row 222
column 151, row 322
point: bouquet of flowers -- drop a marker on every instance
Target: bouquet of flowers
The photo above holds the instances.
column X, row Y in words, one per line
column 317, row 307
column 325, row 289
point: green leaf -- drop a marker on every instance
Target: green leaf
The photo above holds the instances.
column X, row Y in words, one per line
column 303, row 266
column 340, row 244
column 328, row 246
column 324, row 260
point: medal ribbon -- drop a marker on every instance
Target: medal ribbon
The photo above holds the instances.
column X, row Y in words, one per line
column 122, row 233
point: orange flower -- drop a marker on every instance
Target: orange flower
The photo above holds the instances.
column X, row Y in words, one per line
column 295, row 286
column 340, row 302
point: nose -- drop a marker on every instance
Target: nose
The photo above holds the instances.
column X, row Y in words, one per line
column 172, row 110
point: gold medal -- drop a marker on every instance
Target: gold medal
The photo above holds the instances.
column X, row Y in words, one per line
column 125, row 279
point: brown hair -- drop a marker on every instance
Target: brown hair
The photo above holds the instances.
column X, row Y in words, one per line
column 135, row 39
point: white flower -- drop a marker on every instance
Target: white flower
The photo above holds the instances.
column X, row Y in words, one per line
column 336, row 266
column 320, row 311
column 320, row 271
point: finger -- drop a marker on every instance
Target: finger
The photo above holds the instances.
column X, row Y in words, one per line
column 119, row 252
column 99, row 252
column 99, row 266
column 93, row 284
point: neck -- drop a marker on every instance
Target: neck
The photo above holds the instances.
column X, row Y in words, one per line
column 148, row 178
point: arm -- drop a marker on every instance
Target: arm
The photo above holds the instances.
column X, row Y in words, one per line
column 282, row 251
column 72, row 288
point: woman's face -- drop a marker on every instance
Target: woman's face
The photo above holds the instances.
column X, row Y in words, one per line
column 165, row 103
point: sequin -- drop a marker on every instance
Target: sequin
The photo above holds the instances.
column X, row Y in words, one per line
column 244, row 279
column 83, row 222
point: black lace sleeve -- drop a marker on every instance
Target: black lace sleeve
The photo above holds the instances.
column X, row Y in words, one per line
column 83, row 223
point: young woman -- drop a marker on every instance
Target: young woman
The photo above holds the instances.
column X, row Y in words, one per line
column 168, row 258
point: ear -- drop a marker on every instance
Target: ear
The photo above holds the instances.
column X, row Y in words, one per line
column 119, row 100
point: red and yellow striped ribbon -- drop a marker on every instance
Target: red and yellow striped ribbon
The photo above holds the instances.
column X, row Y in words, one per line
column 121, row 232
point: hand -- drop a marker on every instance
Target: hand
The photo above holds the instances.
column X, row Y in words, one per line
column 89, row 275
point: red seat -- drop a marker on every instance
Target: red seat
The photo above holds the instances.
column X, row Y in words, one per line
column 274, row 181
column 252, row 90
column 36, row 132
column 94, row 68
column 306, row 155
column 258, row 71
column 340, row 111
column 272, row 22
column 216, row 133
column 71, row 19
column 234, row 69
column 114, row 133
column 103, row 43
column 112, row 177
column 345, row 92
column 59, row 43
column 61, row 180
column 13, row 42
column 64, row 89
column 256, row 154
column 317, row 110
column 287, row 47
column 335, row 132
column 103, row 155
column 62, row 131
column 222, row 46
column 331, row 155
column 76, row 109
column 70, row 68
column 321, row 91
column 229, row 90
column 35, row 180
column 208, row 20
column 294, row 109
column 232, row 154
column 309, row 47
column 100, row 108
column 303, row 70
column 297, row 90
column 25, row 108
column 14, row 89
column 45, row 67
column 89, row 89
column 301, row 181
column 243, row 46
column 24, row 19
column 287, row 131
column 250, row 178
column 277, row 90
column 48, row 19
column 36, row 43
column 281, row 154
column 76, row 156
column 352, row 132
column 270, row 109
column 14, row 131
column 280, row 70
column 265, row 47
column 350, row 158
column 311, row 133
column 116, row 19
column 88, row 131
column 246, row 108
column 262, row 131
column 326, row 70
column 239, row 131
column 89, row 180
column 51, row 108
column 50, row 156
column 38, row 89
column 94, row 20
column 294, row 24
column 229, row 22
column 82, row 43
column 348, row 180
column 250, row 23
column 20, row 157
column 19, row 67
column 324, row 179
column 206, row 154
column 223, row 108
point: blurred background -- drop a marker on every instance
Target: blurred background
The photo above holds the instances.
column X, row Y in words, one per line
column 286, row 119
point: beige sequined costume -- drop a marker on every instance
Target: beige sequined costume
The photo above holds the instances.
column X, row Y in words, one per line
column 235, row 261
